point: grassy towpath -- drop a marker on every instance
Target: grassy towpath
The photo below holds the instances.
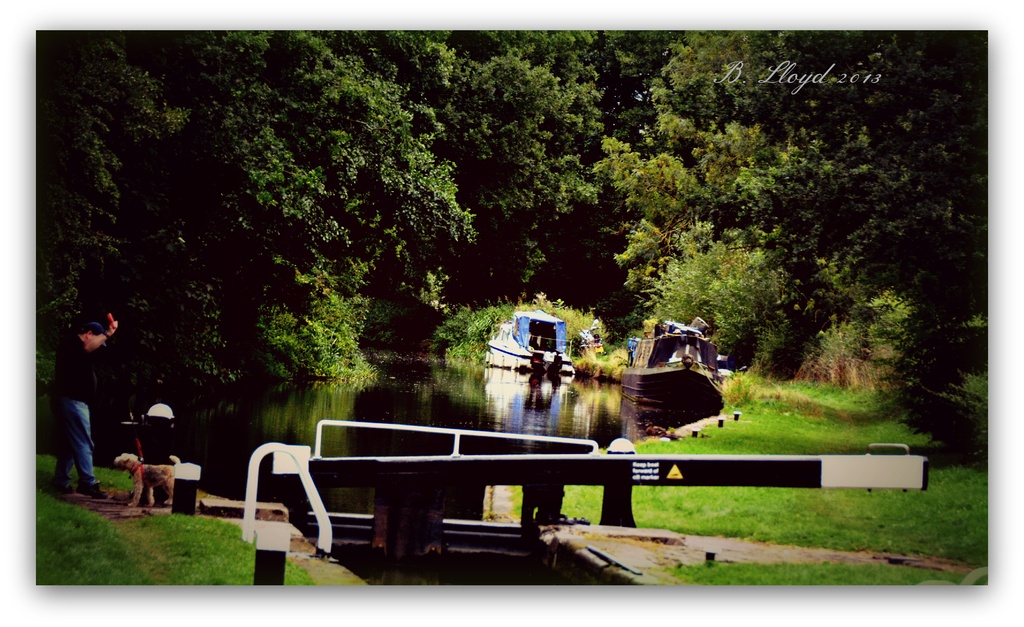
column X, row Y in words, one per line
column 76, row 545
column 948, row 521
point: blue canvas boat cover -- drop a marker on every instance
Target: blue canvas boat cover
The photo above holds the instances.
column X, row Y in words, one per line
column 522, row 322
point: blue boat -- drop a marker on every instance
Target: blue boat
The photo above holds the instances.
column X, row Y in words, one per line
column 531, row 341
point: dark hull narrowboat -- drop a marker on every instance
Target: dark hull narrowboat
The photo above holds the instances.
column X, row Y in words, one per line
column 677, row 368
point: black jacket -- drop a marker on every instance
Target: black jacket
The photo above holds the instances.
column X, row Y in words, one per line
column 75, row 375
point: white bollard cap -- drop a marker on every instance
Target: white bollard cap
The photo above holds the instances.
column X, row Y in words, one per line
column 273, row 537
column 621, row 446
column 187, row 472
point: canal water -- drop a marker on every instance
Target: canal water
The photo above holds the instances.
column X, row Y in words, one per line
column 221, row 435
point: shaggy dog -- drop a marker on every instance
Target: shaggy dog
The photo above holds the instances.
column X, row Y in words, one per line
column 148, row 476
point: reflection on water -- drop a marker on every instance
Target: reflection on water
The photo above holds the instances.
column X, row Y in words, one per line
column 220, row 435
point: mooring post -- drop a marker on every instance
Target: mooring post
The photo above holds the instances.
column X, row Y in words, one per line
column 546, row 500
column 186, row 480
column 617, row 503
column 408, row 521
column 272, row 543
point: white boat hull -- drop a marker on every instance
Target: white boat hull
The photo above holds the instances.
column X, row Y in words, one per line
column 515, row 358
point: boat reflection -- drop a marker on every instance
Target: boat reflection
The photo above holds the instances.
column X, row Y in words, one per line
column 553, row 405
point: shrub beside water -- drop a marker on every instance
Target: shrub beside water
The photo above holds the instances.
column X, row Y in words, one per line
column 465, row 333
column 321, row 345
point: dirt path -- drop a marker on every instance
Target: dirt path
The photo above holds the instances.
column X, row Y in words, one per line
column 647, row 549
column 116, row 507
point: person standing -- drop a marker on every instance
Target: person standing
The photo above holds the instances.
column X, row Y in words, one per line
column 74, row 391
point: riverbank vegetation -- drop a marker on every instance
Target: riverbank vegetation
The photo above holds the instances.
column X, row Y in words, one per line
column 948, row 520
column 267, row 204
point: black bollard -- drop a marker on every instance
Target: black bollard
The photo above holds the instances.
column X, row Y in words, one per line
column 272, row 543
column 617, row 503
column 186, row 480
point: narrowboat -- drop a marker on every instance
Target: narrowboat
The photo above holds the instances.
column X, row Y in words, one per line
column 677, row 367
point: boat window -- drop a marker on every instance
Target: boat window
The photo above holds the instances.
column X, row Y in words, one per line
column 542, row 335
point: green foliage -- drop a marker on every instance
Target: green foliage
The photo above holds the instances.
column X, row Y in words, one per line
column 465, row 333
column 519, row 108
column 323, row 344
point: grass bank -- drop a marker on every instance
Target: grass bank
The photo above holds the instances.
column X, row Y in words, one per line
column 75, row 546
column 948, row 520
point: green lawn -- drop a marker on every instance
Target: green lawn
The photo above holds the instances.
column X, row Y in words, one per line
column 949, row 519
column 75, row 546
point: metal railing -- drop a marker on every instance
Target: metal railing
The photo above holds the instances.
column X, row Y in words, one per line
column 288, row 459
column 456, row 434
column 294, row 459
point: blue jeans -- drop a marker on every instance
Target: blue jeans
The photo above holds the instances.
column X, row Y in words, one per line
column 75, row 444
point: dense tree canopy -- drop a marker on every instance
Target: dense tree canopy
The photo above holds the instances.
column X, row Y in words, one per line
column 237, row 198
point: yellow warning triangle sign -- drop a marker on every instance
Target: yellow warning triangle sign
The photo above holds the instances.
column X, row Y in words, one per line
column 674, row 473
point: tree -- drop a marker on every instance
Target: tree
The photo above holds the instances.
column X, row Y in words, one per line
column 102, row 122
column 520, row 105
column 852, row 159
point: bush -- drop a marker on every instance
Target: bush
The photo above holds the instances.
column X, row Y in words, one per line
column 321, row 345
column 735, row 290
column 843, row 356
column 608, row 366
column 739, row 388
column 971, row 399
column 465, row 333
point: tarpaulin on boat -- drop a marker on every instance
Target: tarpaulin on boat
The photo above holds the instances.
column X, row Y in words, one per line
column 669, row 348
column 539, row 330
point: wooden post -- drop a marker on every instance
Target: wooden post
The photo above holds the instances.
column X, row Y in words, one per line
column 617, row 503
column 408, row 521
column 542, row 504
